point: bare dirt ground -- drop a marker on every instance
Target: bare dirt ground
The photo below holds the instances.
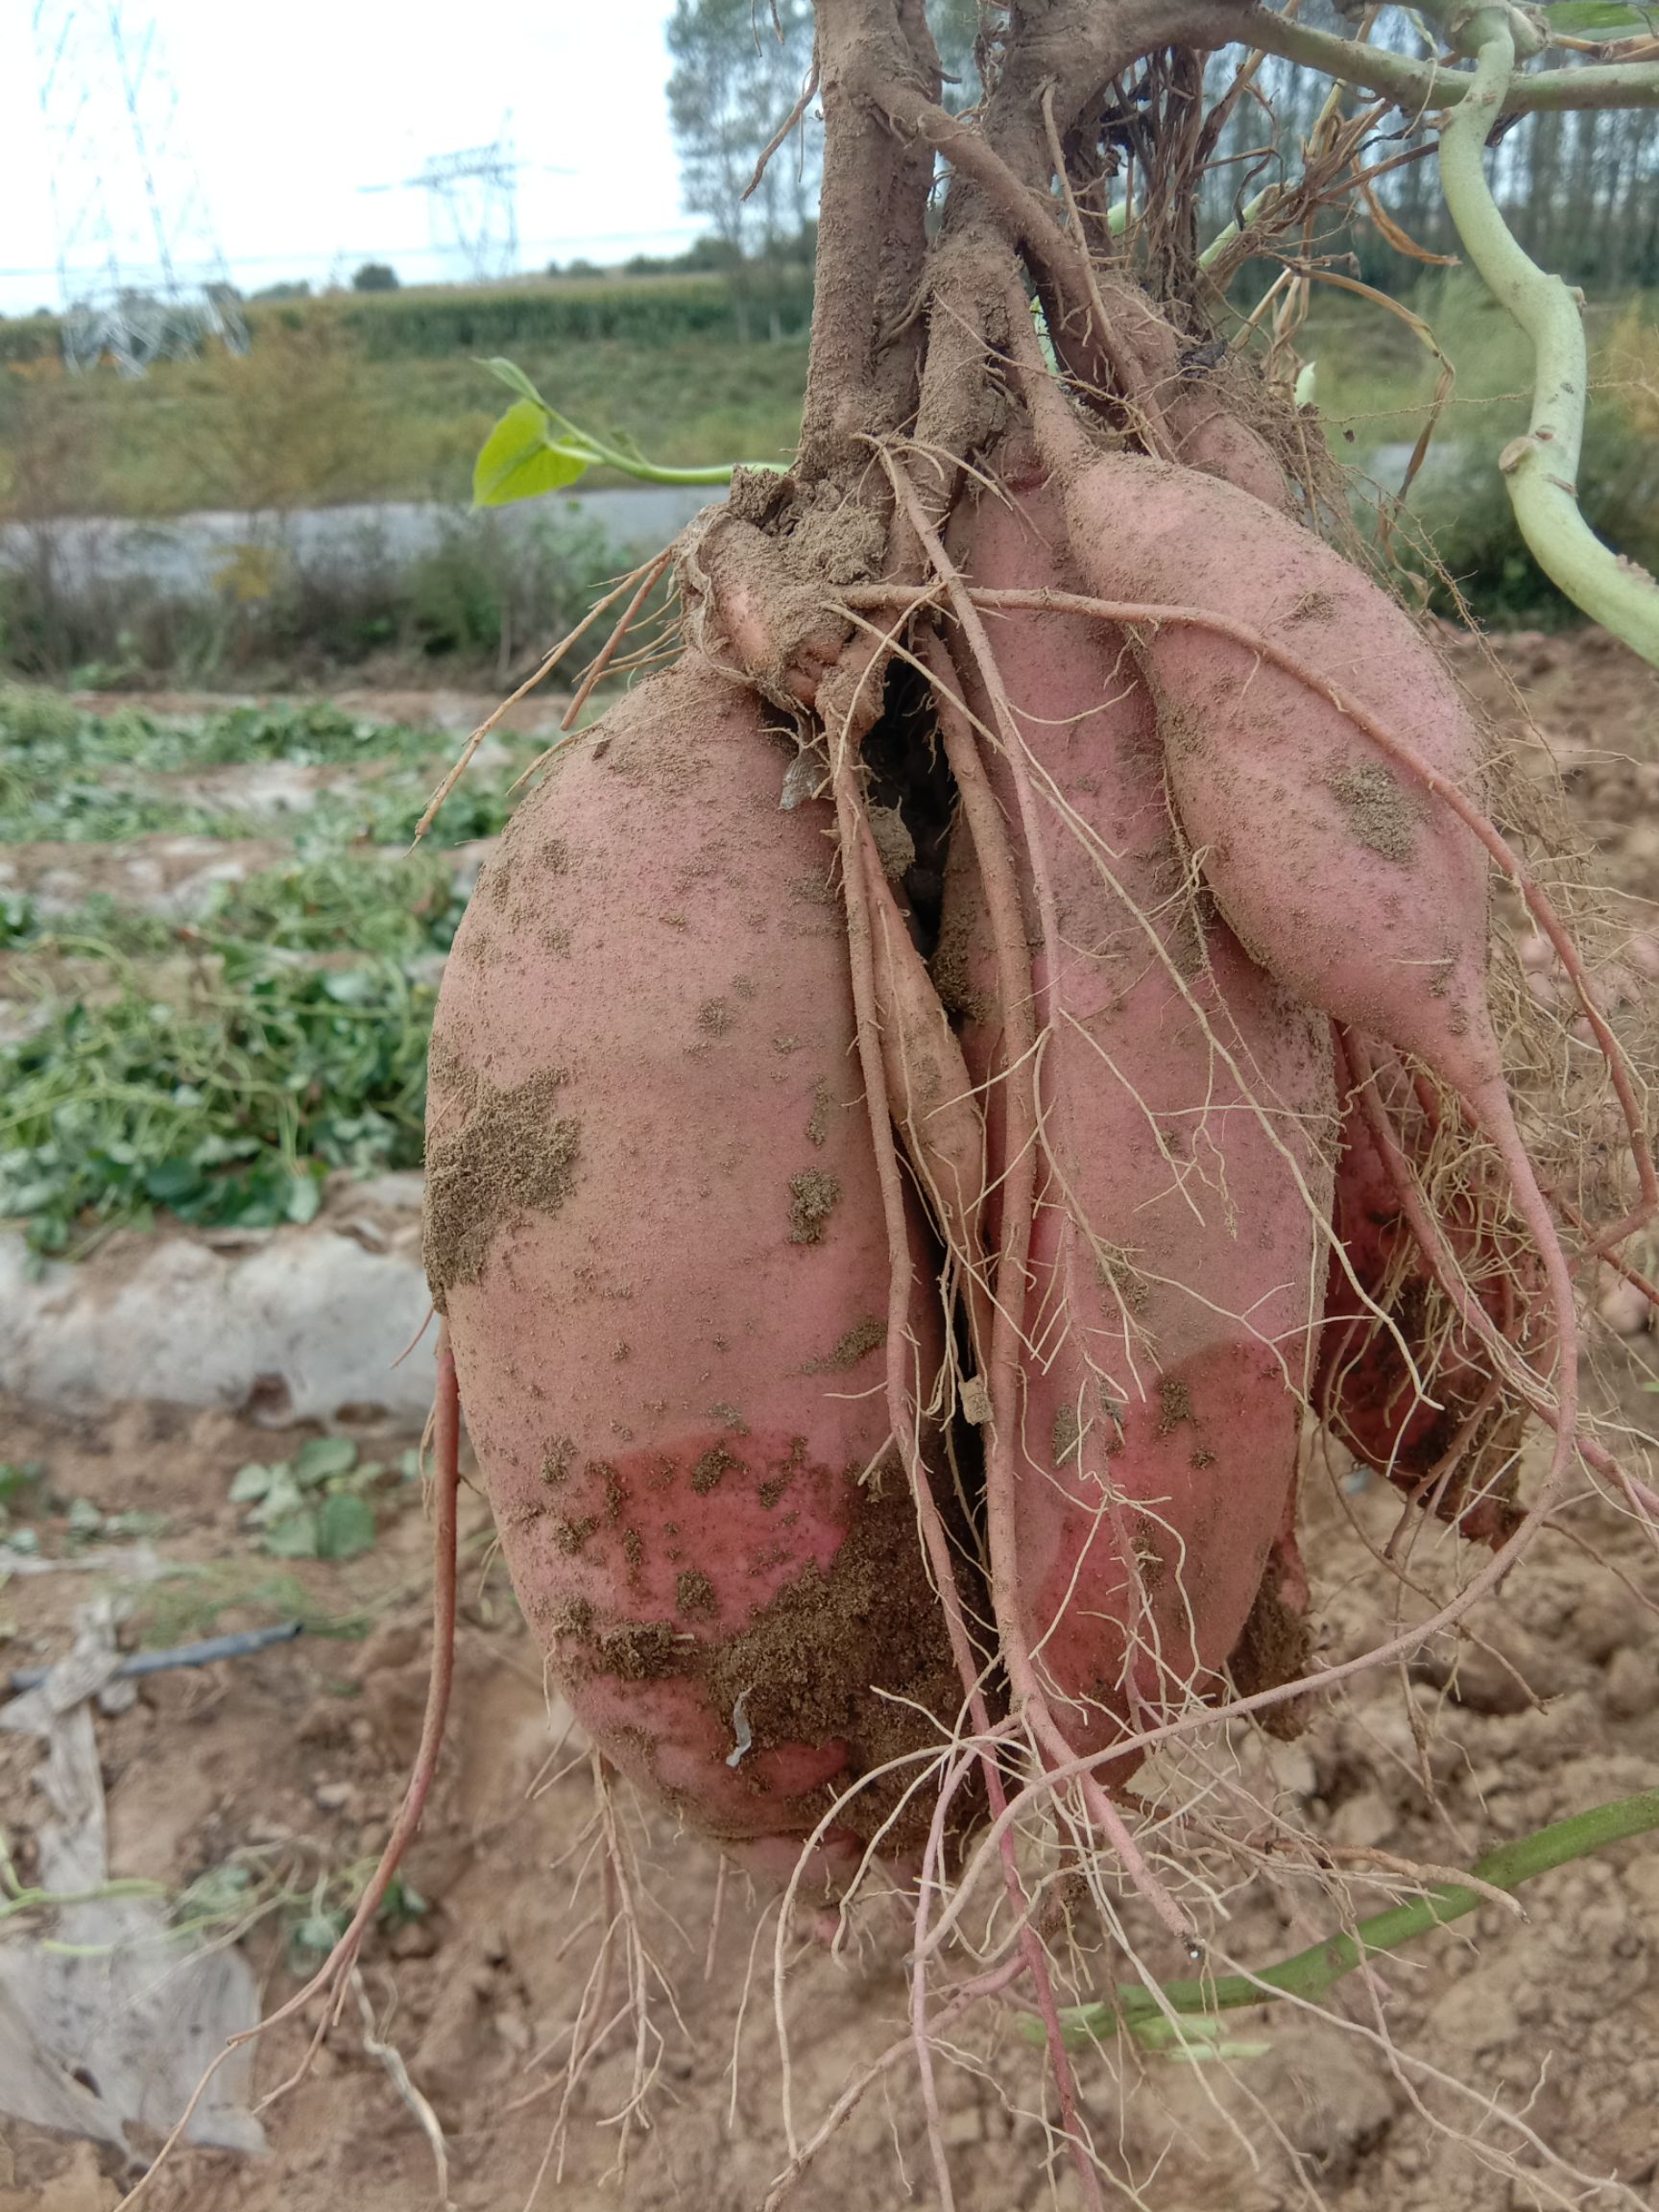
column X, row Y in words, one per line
column 1532, row 2035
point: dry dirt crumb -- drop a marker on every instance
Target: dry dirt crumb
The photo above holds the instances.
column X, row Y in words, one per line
column 858, row 1343
column 822, row 1107
column 1379, row 812
column 512, row 1155
column 1067, row 1433
column 694, row 1593
column 715, row 1463
column 812, row 1199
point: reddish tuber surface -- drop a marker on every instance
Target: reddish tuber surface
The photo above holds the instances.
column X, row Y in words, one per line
column 1174, row 1257
column 652, row 1221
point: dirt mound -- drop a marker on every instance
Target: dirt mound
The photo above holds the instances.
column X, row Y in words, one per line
column 294, row 1759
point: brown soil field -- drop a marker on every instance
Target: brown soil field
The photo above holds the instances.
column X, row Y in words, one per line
column 1509, row 2061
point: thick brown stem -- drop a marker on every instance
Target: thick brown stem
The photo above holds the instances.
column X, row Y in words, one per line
column 1077, row 47
column 871, row 237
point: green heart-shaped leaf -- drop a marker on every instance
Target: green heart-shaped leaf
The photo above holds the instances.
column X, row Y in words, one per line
column 344, row 1527
column 321, row 1457
column 519, row 461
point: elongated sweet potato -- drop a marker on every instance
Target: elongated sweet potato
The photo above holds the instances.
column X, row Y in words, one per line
column 1336, row 805
column 1185, row 1103
column 652, row 1223
column 1341, row 874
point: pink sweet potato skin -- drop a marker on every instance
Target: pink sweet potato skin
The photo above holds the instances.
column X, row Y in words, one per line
column 1160, row 1427
column 1210, row 438
column 1358, row 891
column 1364, row 1392
column 654, row 1223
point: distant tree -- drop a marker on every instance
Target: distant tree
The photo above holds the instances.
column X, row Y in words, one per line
column 738, row 70
column 376, row 277
column 297, row 288
column 955, row 26
column 739, row 67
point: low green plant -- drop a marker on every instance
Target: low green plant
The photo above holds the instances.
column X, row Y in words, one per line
column 97, row 810
column 228, row 1106
column 388, row 810
column 191, row 1601
column 318, row 1505
column 45, row 734
column 20, row 1486
column 394, row 907
column 312, row 1900
column 79, row 776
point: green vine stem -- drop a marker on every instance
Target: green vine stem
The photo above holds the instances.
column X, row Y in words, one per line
column 1311, row 1973
column 1540, row 468
column 535, row 450
column 1420, row 84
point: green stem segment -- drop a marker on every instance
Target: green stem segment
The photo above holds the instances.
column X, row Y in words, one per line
column 1311, row 1973
column 1224, row 238
column 1540, row 468
column 648, row 471
column 1422, row 85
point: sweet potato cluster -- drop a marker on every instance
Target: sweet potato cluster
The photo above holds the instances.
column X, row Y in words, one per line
column 889, row 1282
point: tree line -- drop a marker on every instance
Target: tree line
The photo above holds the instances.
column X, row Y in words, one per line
column 1581, row 189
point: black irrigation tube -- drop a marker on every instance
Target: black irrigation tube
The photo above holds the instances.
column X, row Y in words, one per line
column 202, row 1654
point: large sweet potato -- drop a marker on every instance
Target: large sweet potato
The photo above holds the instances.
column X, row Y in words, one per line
column 654, row 1225
column 1187, row 1104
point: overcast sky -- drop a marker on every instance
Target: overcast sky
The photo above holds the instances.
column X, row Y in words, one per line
column 286, row 113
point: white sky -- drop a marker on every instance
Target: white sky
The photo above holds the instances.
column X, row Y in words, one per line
column 286, row 112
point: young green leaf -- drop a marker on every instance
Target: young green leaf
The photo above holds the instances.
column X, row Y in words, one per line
column 321, row 1457
column 345, row 1525
column 519, row 460
column 250, row 1483
column 293, row 1537
column 281, row 1497
column 315, row 1937
column 17, row 1475
column 510, row 374
column 304, row 1199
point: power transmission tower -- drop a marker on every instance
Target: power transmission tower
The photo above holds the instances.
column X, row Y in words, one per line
column 473, row 204
column 141, row 277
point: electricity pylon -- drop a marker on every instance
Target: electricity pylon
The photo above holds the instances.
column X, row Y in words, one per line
column 140, row 273
column 472, row 204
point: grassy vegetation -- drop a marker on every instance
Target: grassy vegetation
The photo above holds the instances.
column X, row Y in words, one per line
column 381, row 398
column 94, row 779
column 226, row 1100
column 218, row 1069
column 1375, row 387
